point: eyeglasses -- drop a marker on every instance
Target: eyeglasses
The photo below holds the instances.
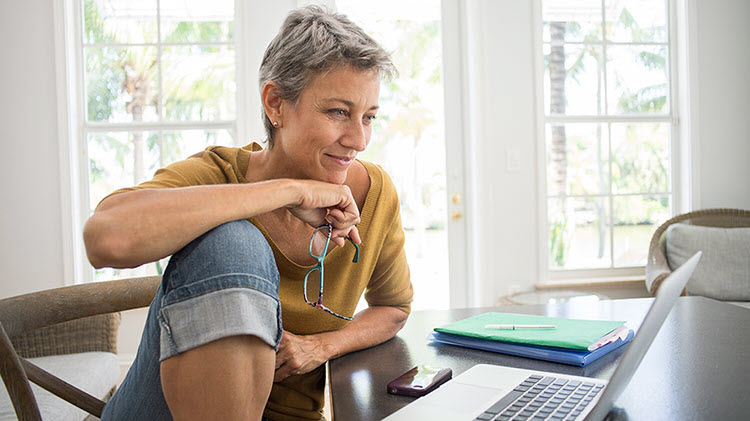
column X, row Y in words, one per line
column 319, row 251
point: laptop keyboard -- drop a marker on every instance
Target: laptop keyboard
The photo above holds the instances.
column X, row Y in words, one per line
column 543, row 398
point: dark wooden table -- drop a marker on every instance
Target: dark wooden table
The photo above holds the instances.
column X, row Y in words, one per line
column 696, row 369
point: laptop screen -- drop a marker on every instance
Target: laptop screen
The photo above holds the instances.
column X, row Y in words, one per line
column 666, row 296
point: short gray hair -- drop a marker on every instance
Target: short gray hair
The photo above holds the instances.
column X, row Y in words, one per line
column 312, row 41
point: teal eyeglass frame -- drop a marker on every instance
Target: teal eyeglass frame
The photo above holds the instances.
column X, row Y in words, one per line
column 319, row 267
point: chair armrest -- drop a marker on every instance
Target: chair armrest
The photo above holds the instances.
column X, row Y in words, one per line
column 32, row 311
column 66, row 314
column 657, row 267
column 89, row 334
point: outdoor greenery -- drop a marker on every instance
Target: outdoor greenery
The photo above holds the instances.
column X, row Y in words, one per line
column 629, row 80
column 122, row 86
column 407, row 135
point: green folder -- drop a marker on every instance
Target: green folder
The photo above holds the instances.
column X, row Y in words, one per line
column 570, row 333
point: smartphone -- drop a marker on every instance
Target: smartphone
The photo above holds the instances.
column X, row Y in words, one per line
column 420, row 380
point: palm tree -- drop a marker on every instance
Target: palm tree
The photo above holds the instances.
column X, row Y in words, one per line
column 139, row 69
column 647, row 99
column 112, row 71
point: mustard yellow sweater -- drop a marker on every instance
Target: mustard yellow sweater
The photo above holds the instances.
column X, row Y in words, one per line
column 382, row 272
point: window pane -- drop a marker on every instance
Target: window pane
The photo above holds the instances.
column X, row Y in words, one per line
column 121, row 84
column 201, row 21
column 577, row 159
column 199, row 83
column 118, row 159
column 573, row 81
column 637, row 79
column 179, row 145
column 124, row 159
column 636, row 20
column 640, row 158
column 119, row 21
column 578, row 233
column 572, row 20
column 635, row 219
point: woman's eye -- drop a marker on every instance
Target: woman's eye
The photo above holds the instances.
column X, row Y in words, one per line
column 338, row 112
column 370, row 118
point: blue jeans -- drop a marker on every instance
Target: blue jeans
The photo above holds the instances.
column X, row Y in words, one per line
column 224, row 283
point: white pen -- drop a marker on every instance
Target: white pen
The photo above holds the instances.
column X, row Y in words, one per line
column 514, row 327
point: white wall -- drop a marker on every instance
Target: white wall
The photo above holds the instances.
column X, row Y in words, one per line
column 30, row 222
column 723, row 102
column 501, row 119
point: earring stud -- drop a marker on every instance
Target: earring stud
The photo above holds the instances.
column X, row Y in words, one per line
column 275, row 124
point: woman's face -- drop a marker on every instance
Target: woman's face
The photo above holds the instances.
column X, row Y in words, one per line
column 330, row 124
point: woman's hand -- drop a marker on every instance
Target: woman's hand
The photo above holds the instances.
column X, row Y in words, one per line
column 299, row 354
column 321, row 203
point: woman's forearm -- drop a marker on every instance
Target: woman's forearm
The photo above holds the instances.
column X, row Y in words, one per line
column 370, row 327
column 133, row 228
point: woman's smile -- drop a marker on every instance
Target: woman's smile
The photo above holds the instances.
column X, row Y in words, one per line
column 341, row 160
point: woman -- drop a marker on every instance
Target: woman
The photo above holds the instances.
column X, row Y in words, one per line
column 242, row 224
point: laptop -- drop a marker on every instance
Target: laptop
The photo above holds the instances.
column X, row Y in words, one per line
column 489, row 392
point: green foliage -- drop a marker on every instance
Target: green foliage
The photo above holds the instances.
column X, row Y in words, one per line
column 94, row 28
column 118, row 76
column 420, row 39
column 201, row 32
column 627, row 21
column 646, row 100
column 116, row 147
column 404, row 93
column 639, row 162
column 103, row 80
column 103, row 83
column 641, row 210
column 558, row 243
column 191, row 96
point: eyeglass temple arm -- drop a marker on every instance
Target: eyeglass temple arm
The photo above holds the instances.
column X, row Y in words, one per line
column 356, row 250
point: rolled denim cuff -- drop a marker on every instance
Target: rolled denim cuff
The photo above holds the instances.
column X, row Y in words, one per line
column 196, row 321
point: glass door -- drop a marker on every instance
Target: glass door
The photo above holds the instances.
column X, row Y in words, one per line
column 409, row 134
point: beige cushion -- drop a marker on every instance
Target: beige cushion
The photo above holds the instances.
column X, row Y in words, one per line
column 94, row 372
column 724, row 270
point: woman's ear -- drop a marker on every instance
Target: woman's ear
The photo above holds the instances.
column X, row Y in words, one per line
column 272, row 103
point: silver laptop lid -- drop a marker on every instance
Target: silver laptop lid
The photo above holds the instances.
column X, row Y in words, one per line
column 666, row 296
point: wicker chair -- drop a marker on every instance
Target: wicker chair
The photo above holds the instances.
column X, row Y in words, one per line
column 79, row 318
column 657, row 267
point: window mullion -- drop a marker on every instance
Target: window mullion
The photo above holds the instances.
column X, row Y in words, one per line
column 630, row 118
column 164, row 125
column 611, row 213
column 166, row 44
column 160, row 89
column 591, row 196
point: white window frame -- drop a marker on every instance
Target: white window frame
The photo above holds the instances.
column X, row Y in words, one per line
column 254, row 28
column 73, row 127
column 676, row 187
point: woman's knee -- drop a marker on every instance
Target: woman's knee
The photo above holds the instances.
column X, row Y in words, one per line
column 236, row 247
column 235, row 237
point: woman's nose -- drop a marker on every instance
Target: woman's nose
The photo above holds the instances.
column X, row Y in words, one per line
column 357, row 136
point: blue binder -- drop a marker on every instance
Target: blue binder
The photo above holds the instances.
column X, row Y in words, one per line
column 547, row 353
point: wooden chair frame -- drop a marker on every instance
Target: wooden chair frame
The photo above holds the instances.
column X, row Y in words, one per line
column 28, row 312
